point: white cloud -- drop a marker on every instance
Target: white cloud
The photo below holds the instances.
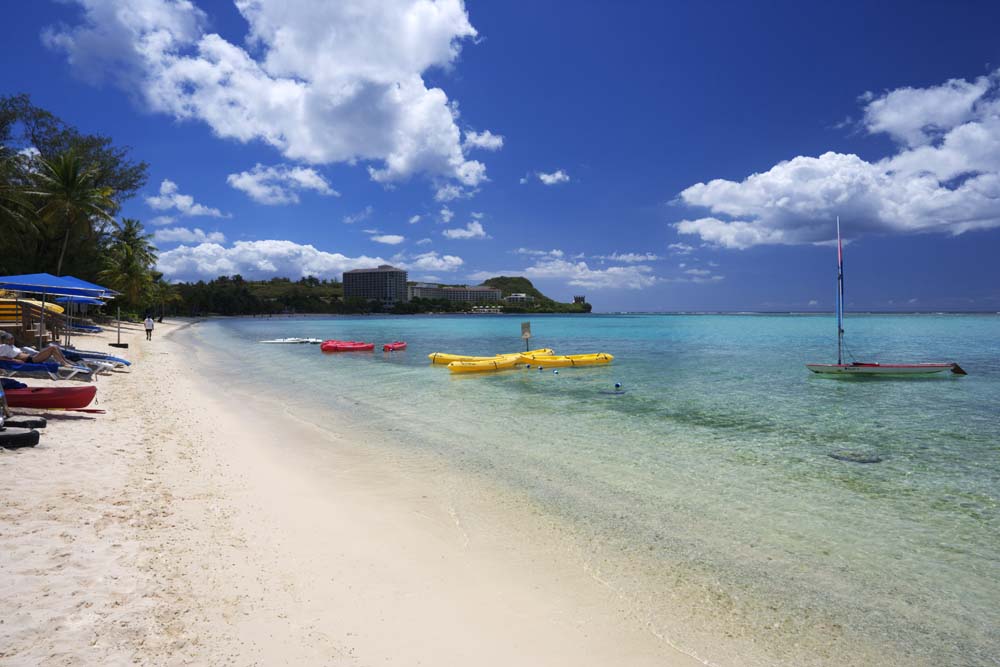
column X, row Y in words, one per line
column 363, row 214
column 680, row 248
column 813, row 302
column 322, row 82
column 473, row 230
column 424, row 241
column 388, row 239
column 431, row 261
column 169, row 198
column 579, row 274
column 554, row 178
column 414, row 219
column 279, row 184
column 161, row 220
column 523, row 180
column 698, row 272
column 538, row 253
column 630, row 257
column 446, row 214
column 258, row 260
column 485, row 140
column 185, row 235
column 944, row 177
column 450, row 192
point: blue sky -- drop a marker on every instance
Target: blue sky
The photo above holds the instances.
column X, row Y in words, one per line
column 650, row 155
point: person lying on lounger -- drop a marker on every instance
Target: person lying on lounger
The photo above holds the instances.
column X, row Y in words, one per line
column 9, row 351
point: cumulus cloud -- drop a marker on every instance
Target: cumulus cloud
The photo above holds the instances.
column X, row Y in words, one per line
column 554, row 178
column 185, row 235
column 473, row 230
column 680, row 248
column 450, row 192
column 161, row 220
column 257, row 260
column 485, row 140
column 414, row 219
column 363, row 214
column 579, row 274
column 322, row 82
column 944, row 176
column 432, row 261
column 388, row 239
column 279, row 184
column 171, row 199
column 424, row 241
column 446, row 214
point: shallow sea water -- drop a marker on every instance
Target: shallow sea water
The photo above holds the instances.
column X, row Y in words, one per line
column 712, row 492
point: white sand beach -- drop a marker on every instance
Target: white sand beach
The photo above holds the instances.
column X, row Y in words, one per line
column 193, row 525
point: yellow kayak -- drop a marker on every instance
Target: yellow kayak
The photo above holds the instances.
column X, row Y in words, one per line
column 498, row 363
column 444, row 358
column 557, row 361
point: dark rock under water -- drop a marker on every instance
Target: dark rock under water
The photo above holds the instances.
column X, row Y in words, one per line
column 852, row 456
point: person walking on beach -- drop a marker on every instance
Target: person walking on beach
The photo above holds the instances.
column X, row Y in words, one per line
column 148, row 323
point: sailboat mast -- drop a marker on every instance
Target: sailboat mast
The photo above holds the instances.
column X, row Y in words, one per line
column 840, row 297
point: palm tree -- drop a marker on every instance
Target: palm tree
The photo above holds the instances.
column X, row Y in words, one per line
column 129, row 260
column 71, row 197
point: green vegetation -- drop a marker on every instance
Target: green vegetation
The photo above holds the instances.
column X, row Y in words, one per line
column 542, row 304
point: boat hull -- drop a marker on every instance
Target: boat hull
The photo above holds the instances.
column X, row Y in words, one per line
column 67, row 398
column 485, row 366
column 552, row 361
column 346, row 346
column 393, row 347
column 443, row 358
column 881, row 369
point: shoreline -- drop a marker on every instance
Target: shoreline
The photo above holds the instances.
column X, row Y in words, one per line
column 185, row 526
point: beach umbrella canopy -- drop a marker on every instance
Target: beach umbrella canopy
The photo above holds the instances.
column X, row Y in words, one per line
column 47, row 284
column 107, row 292
column 80, row 299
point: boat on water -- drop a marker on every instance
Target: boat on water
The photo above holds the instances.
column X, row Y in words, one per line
column 66, row 398
column 293, row 341
column 560, row 361
column 394, row 347
column 443, row 358
column 346, row 346
column 498, row 363
column 870, row 368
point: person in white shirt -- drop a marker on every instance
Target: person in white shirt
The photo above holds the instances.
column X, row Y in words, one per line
column 10, row 351
column 148, row 323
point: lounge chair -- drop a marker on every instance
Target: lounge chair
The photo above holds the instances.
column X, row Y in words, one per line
column 50, row 370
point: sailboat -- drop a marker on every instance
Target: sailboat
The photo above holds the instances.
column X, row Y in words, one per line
column 869, row 369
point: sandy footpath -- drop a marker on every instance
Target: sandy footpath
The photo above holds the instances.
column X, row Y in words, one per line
column 195, row 525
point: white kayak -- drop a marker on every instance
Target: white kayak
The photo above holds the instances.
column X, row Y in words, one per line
column 884, row 369
column 293, row 341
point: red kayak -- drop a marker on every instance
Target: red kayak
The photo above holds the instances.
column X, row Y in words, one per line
column 392, row 347
column 67, row 398
column 346, row 346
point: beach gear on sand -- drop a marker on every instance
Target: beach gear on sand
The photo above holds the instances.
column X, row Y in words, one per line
column 346, row 346
column 67, row 398
column 14, row 438
column 50, row 370
column 25, row 422
column 393, row 347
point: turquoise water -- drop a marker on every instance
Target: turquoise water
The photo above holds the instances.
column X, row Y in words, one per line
column 706, row 492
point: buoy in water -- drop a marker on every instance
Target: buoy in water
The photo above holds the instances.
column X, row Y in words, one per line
column 556, row 372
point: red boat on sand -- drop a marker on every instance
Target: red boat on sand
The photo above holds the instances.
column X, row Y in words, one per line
column 67, row 398
column 392, row 347
column 346, row 346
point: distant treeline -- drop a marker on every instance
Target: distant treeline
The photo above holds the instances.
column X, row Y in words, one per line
column 232, row 295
